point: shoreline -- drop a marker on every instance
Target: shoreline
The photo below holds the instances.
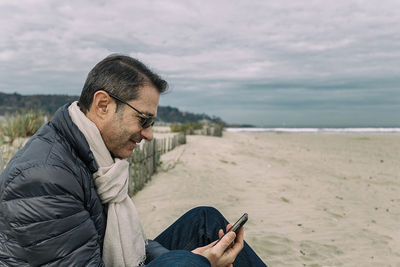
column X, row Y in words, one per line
column 344, row 130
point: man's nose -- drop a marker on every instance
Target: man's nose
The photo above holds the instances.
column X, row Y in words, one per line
column 147, row 133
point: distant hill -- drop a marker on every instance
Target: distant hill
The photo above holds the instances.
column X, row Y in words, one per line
column 11, row 103
column 171, row 114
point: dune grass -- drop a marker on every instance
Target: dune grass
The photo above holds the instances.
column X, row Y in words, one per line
column 21, row 125
column 185, row 127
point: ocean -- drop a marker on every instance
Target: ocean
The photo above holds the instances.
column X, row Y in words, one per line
column 315, row 130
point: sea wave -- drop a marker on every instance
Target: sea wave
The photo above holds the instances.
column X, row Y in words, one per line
column 316, row 130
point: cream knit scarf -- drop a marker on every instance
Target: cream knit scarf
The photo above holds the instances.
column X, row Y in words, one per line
column 124, row 241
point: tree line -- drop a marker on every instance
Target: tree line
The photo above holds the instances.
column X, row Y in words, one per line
column 13, row 103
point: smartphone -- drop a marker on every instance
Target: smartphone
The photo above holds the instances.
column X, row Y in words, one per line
column 235, row 228
column 242, row 220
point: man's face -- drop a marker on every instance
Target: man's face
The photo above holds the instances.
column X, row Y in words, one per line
column 122, row 131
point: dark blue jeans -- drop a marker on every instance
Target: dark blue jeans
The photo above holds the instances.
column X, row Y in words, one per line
column 196, row 228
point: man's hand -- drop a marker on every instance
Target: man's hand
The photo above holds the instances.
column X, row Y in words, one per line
column 223, row 254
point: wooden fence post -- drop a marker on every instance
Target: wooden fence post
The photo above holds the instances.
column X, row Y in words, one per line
column 154, row 156
column 1, row 160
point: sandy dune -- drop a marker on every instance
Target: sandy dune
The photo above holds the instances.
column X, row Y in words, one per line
column 312, row 199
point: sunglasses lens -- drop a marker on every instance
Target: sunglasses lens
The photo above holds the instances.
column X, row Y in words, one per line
column 147, row 122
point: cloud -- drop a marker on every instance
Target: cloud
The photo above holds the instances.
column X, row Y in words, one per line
column 290, row 55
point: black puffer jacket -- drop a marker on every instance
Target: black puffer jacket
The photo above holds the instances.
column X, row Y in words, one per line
column 50, row 213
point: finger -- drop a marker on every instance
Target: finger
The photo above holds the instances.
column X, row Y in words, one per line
column 212, row 244
column 240, row 234
column 225, row 242
column 220, row 233
column 201, row 249
column 228, row 227
column 239, row 242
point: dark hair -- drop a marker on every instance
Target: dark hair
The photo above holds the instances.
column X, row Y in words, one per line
column 120, row 75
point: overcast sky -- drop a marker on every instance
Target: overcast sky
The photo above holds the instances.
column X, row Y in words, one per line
column 281, row 63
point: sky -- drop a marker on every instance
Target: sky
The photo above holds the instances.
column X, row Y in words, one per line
column 267, row 63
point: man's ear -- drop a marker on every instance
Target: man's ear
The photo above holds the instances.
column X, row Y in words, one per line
column 102, row 105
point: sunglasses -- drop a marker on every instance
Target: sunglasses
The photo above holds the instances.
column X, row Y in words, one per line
column 145, row 120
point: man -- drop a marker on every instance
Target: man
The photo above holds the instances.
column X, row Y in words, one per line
column 64, row 196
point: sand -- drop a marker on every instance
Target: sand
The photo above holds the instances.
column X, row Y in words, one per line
column 312, row 199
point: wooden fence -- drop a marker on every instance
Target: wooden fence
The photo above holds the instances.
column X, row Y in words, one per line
column 146, row 158
column 213, row 130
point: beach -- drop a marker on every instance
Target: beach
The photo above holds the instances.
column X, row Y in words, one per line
column 313, row 199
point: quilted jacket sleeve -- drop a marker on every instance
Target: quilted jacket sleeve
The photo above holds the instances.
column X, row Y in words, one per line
column 44, row 208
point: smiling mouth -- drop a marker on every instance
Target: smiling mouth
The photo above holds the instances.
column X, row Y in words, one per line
column 136, row 142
